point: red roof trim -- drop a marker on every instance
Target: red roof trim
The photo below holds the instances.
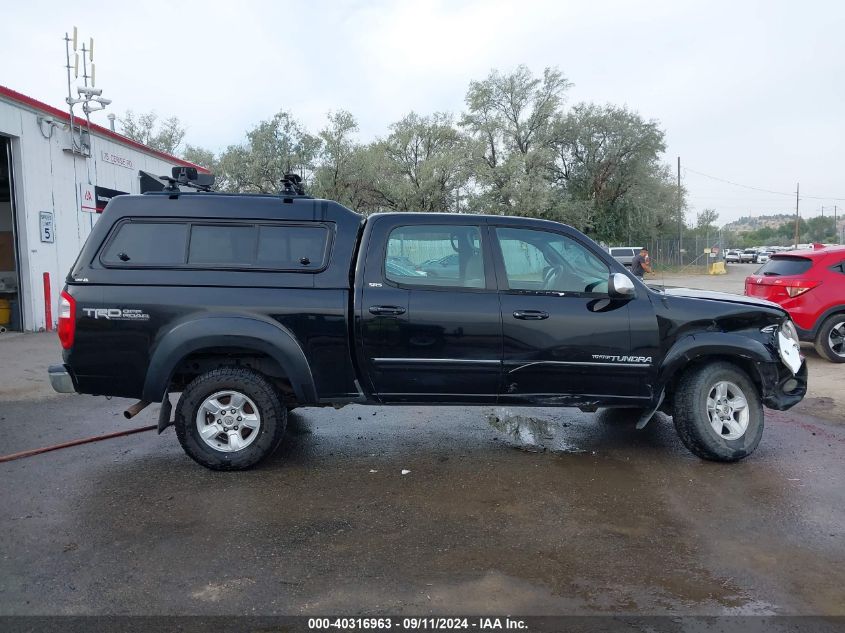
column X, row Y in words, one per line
column 18, row 97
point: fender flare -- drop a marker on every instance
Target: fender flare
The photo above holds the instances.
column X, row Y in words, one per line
column 198, row 332
column 701, row 344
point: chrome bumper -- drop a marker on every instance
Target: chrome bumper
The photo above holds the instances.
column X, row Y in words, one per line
column 60, row 379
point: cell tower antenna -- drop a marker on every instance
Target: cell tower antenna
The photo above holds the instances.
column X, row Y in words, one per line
column 87, row 95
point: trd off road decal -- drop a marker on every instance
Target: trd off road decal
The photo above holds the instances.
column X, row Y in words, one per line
column 116, row 314
column 623, row 359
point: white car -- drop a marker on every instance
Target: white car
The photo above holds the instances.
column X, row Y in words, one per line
column 748, row 256
column 763, row 257
column 732, row 257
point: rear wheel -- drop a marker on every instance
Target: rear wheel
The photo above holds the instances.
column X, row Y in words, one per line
column 830, row 341
column 230, row 419
column 718, row 413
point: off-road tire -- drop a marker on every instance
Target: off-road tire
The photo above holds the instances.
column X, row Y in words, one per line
column 822, row 342
column 693, row 424
column 273, row 418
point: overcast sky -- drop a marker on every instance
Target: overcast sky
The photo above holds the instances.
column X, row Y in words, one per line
column 750, row 92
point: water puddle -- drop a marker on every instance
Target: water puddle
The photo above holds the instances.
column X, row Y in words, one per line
column 535, row 435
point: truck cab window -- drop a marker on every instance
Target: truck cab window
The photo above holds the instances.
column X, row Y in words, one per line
column 435, row 256
column 549, row 262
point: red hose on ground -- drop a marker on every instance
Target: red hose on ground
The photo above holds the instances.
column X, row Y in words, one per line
column 87, row 440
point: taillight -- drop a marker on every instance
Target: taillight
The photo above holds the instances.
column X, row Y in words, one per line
column 799, row 286
column 67, row 319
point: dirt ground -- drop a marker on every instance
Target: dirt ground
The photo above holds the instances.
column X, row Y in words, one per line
column 826, row 394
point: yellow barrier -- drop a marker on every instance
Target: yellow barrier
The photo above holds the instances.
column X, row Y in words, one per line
column 717, row 268
column 5, row 312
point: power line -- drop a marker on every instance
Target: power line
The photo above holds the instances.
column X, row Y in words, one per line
column 779, row 193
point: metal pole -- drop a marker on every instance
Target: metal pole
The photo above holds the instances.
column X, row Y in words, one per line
column 797, row 189
column 680, row 217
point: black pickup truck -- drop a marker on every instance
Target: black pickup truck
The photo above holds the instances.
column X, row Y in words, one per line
column 251, row 305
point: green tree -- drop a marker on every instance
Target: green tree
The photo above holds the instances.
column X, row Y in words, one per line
column 609, row 157
column 820, row 229
column 420, row 166
column 344, row 165
column 165, row 136
column 706, row 221
column 509, row 117
column 273, row 148
column 200, row 156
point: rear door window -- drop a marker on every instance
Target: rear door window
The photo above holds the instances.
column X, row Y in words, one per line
column 782, row 266
column 147, row 244
column 435, row 256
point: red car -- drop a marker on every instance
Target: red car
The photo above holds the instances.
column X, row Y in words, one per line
column 810, row 285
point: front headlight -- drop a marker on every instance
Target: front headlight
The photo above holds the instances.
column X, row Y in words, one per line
column 789, row 346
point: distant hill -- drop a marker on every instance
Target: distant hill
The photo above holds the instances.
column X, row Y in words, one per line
column 753, row 223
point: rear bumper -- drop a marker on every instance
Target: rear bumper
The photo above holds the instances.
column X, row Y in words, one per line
column 781, row 390
column 61, row 379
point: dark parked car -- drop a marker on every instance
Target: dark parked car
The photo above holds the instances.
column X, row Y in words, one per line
column 252, row 305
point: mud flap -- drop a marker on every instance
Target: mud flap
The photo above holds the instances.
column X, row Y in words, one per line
column 164, row 414
column 649, row 413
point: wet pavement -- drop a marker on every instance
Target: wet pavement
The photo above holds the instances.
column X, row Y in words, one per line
column 540, row 511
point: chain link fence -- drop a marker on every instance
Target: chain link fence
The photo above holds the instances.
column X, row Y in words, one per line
column 688, row 252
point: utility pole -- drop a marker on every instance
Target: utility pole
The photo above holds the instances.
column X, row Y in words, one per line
column 680, row 217
column 797, row 189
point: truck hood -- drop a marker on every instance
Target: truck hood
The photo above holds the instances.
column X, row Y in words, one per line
column 712, row 295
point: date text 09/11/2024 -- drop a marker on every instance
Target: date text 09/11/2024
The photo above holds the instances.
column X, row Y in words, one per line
column 418, row 624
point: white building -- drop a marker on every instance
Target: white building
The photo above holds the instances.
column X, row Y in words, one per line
column 51, row 190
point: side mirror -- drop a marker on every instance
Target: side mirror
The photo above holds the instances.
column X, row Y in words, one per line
column 620, row 286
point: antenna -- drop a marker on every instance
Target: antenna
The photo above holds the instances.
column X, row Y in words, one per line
column 87, row 95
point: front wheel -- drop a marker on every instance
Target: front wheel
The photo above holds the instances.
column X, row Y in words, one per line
column 718, row 413
column 230, row 419
column 830, row 341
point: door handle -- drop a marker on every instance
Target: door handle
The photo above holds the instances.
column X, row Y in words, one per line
column 530, row 315
column 387, row 310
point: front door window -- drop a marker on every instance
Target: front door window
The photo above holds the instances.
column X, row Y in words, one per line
column 539, row 261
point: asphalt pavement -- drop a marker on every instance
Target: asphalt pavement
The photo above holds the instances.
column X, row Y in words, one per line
column 521, row 511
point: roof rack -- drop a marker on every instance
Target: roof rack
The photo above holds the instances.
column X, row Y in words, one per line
column 292, row 186
column 187, row 177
